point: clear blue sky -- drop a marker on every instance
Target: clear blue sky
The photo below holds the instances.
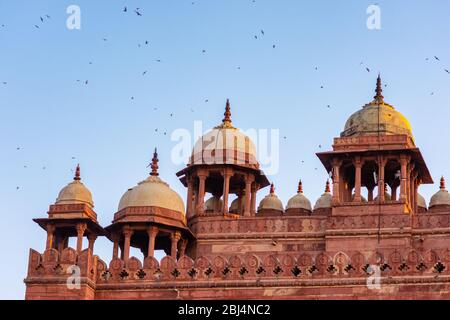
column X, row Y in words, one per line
column 52, row 117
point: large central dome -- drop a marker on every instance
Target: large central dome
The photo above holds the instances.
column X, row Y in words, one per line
column 225, row 144
column 377, row 118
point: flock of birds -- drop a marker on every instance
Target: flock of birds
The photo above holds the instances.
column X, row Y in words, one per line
column 137, row 11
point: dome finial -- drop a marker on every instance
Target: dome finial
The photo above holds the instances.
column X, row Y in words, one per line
column 77, row 173
column 300, row 187
column 327, row 187
column 442, row 186
column 227, row 119
column 272, row 188
column 154, row 164
column 379, row 91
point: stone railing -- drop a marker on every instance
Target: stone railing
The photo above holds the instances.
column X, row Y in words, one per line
column 274, row 267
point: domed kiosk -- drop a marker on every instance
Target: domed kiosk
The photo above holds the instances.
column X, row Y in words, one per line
column 375, row 150
column 72, row 215
column 223, row 162
column 150, row 217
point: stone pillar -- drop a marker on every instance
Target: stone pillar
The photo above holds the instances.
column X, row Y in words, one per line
column 358, row 166
column 336, row 178
column 404, row 180
column 189, row 209
column 152, row 233
column 416, row 190
column 182, row 249
column 91, row 239
column 201, row 193
column 174, row 238
column 248, row 196
column 60, row 243
column 127, row 232
column 115, row 238
column 370, row 193
column 381, row 165
column 81, row 228
column 253, row 202
column 394, row 192
column 226, row 189
column 50, row 236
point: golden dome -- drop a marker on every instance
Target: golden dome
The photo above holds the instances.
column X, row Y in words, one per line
column 75, row 192
column 299, row 201
column 225, row 144
column 442, row 197
column 152, row 192
column 377, row 117
column 421, row 202
column 325, row 201
column 271, row 201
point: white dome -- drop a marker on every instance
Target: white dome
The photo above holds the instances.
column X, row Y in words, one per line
column 224, row 144
column 442, row 197
column 271, row 202
column 75, row 192
column 152, row 192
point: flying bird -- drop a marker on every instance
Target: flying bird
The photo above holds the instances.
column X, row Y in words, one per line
column 42, row 19
column 437, row 58
column 143, row 73
column 368, row 70
column 273, row 46
column 262, row 32
column 446, row 70
column 137, row 12
column 36, row 26
column 125, row 9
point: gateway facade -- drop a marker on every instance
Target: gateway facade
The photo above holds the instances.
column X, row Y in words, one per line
column 371, row 221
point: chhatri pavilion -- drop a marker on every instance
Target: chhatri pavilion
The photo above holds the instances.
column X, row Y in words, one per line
column 370, row 226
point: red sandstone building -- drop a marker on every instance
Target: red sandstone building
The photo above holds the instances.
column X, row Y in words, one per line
column 372, row 216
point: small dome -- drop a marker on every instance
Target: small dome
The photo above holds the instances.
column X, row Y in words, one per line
column 421, row 202
column 212, row 203
column 325, row 201
column 152, row 192
column 299, row 201
column 376, row 118
column 442, row 197
column 75, row 192
column 225, row 144
column 362, row 198
column 387, row 196
column 237, row 204
column 271, row 201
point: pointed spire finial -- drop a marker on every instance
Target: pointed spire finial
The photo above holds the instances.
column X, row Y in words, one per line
column 154, row 164
column 227, row 114
column 327, row 187
column 379, row 91
column 272, row 189
column 442, row 187
column 300, row 187
column 77, row 173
